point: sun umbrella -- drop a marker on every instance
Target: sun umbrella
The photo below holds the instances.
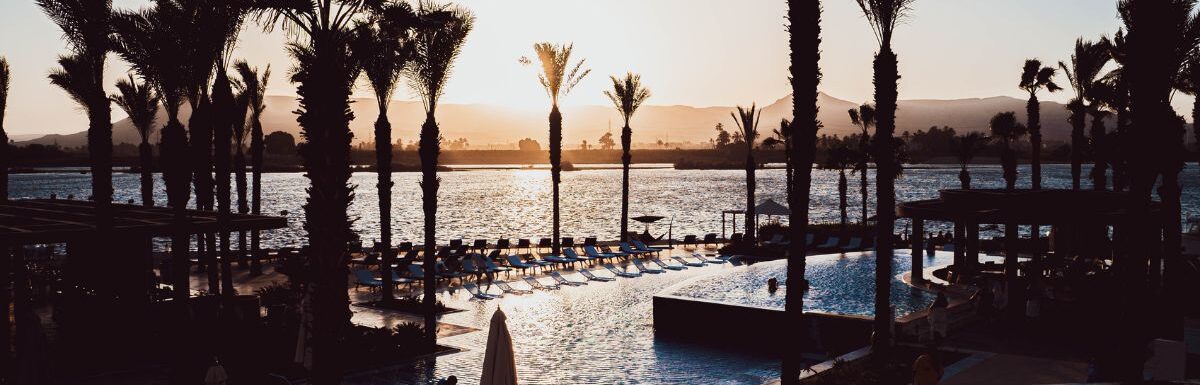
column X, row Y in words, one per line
column 215, row 374
column 499, row 364
column 648, row 218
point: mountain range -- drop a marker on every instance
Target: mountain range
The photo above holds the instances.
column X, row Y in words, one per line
column 485, row 125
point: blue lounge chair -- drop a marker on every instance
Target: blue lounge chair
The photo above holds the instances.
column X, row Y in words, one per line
column 830, row 243
column 570, row 253
column 445, row 272
column 416, row 272
column 366, row 278
column 558, row 259
column 618, row 253
column 470, row 268
column 591, row 251
column 667, row 266
column 593, row 277
column 687, row 262
column 398, row 280
column 808, row 239
column 620, row 273
column 558, row 278
column 706, row 260
column 642, row 246
column 490, row 266
column 516, row 263
column 630, row 251
column 642, row 267
column 534, row 283
column 475, row 292
column 509, row 289
column 854, row 245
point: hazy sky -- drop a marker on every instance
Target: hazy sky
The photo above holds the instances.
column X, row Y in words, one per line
column 689, row 52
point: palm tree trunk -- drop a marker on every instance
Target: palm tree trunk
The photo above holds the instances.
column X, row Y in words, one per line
column 222, row 100
column 146, row 156
column 788, row 169
column 176, row 174
column 886, row 77
column 842, row 187
column 256, row 158
column 325, row 117
column 865, row 147
column 1119, row 156
column 804, row 41
column 751, row 218
column 1077, row 140
column 626, row 159
column 100, row 157
column 383, row 165
column 1099, row 151
column 239, row 167
column 1035, row 140
column 964, row 178
column 201, row 149
column 1008, row 160
column 5, row 157
column 1195, row 127
column 429, row 187
column 555, row 171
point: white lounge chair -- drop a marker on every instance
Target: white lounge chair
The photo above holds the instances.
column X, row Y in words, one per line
column 534, row 283
column 475, row 292
column 667, row 266
column 830, row 243
column 593, row 277
column 642, row 268
column 620, row 273
column 509, row 289
column 563, row 281
column 706, row 260
column 854, row 245
column 687, row 262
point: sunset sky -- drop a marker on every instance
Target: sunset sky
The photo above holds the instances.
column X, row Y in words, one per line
column 689, row 52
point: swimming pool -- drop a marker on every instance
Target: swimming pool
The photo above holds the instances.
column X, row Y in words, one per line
column 603, row 333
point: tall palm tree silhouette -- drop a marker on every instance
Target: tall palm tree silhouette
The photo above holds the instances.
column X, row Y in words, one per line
column 864, row 118
column 384, row 54
column 804, row 43
column 558, row 77
column 1007, row 131
column 255, row 91
column 1082, row 72
column 627, row 95
column 140, row 102
column 241, row 109
column 87, row 26
column 1190, row 84
column 884, row 16
column 325, row 71
column 436, row 44
column 1035, row 77
column 156, row 44
column 783, row 134
column 746, row 121
column 840, row 158
column 4, row 150
column 966, row 147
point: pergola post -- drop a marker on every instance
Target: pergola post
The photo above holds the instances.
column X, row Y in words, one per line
column 972, row 247
column 917, row 239
column 960, row 246
column 5, row 299
column 1011, row 237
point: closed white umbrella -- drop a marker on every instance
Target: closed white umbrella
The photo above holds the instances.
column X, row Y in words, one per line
column 499, row 364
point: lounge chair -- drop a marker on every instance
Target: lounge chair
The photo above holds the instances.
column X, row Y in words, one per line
column 475, row 292
column 809, row 238
column 687, row 262
column 609, row 251
column 366, row 278
column 522, row 243
column 667, row 266
column 706, row 260
column 595, row 254
column 563, row 281
column 492, row 267
column 642, row 268
column 516, row 262
column 567, row 242
column 775, row 239
column 479, row 245
column 502, row 244
column 469, row 267
column 736, row 238
column 643, row 246
column 398, row 280
column 620, row 273
column 710, row 239
column 830, row 243
column 589, row 241
column 570, row 253
column 445, row 272
column 545, row 243
column 558, row 259
column 690, row 239
column 625, row 248
column 592, row 277
column 854, row 245
column 416, row 272
column 534, row 283
column 509, row 289
column 455, row 243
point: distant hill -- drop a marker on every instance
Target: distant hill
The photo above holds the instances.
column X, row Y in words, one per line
column 487, row 124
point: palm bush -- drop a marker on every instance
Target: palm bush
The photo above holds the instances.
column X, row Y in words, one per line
column 140, row 102
column 864, row 118
column 1082, row 73
column 746, row 121
column 1035, row 77
column 255, row 89
column 966, row 147
column 1007, row 131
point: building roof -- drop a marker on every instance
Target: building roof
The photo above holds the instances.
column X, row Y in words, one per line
column 1023, row 206
column 25, row 221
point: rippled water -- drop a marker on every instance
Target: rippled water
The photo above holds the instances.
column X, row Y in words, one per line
column 515, row 203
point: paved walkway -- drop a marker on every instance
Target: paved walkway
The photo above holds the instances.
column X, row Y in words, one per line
column 1010, row 369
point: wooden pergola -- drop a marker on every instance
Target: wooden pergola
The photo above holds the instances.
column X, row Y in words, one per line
column 1065, row 210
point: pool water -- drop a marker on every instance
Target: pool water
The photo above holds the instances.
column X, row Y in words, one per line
column 838, row 284
column 603, row 333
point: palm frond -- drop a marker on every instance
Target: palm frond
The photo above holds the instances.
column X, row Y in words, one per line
column 747, row 122
column 555, row 59
column 1005, row 126
column 884, row 16
column 75, row 77
column 256, row 87
column 627, row 94
column 436, row 44
column 139, row 101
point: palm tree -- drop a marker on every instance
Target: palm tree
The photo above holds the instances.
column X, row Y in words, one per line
column 966, row 147
column 783, row 134
column 840, row 158
column 1007, row 130
column 4, row 150
column 435, row 47
column 627, row 95
column 86, row 26
column 883, row 16
column 140, row 102
column 558, row 82
column 255, row 91
column 154, row 43
column 1034, row 77
column 864, row 118
column 223, row 23
column 747, row 124
column 804, row 42
column 1189, row 84
column 384, row 55
column 241, row 107
column 1083, row 71
column 325, row 71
